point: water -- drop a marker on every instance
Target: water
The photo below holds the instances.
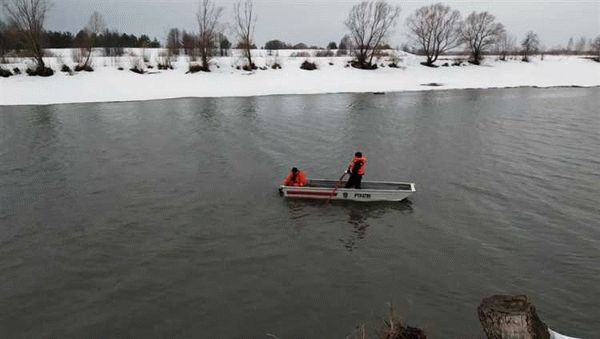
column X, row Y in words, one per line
column 162, row 219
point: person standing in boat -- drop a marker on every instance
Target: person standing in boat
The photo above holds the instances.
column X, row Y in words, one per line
column 295, row 178
column 356, row 169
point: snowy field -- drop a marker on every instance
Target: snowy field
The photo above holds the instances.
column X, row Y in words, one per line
column 108, row 83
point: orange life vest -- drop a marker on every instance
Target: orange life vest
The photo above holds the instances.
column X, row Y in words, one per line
column 295, row 180
column 358, row 165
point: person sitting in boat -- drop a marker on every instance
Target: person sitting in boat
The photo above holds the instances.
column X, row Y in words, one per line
column 295, row 178
column 356, row 169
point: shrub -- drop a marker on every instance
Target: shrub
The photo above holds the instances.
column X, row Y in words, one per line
column 395, row 60
column 86, row 68
column 164, row 66
column 341, row 52
column 393, row 65
column 250, row 67
column 194, row 68
column 300, row 46
column 445, row 64
column 150, row 66
column 5, row 73
column 137, row 69
column 65, row 68
column 42, row 72
column 309, row 66
column 16, row 70
column 163, row 61
column 330, row 63
column 431, row 65
column 301, row 54
column 276, row 44
column 276, row 66
column 120, row 68
column 324, row 53
column 359, row 65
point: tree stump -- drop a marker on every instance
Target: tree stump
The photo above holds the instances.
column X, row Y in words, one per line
column 511, row 317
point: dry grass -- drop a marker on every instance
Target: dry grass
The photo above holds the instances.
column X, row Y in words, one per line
column 392, row 328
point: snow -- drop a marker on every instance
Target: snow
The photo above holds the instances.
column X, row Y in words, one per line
column 107, row 83
column 555, row 335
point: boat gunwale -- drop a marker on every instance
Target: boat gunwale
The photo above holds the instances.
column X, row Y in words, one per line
column 311, row 188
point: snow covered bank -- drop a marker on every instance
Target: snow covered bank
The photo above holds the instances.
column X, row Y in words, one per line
column 107, row 83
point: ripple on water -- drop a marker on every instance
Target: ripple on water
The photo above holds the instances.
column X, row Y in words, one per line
column 168, row 211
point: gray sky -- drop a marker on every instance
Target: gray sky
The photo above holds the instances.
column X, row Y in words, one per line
column 318, row 22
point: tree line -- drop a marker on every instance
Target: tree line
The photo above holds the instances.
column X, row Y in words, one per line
column 9, row 39
column 433, row 30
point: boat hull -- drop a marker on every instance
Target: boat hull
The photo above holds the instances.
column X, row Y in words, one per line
column 370, row 191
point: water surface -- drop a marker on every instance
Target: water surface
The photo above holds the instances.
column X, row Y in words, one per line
column 162, row 219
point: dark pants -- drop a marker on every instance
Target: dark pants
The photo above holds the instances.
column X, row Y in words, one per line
column 354, row 181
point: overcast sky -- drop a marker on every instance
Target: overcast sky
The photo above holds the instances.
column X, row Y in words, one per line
column 318, row 22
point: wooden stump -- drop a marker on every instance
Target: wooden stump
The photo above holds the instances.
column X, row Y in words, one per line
column 511, row 317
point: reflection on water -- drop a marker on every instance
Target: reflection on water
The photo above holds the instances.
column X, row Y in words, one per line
column 361, row 215
column 358, row 216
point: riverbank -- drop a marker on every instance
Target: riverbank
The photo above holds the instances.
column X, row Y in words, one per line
column 113, row 81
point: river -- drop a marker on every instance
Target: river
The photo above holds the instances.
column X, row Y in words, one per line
column 162, row 218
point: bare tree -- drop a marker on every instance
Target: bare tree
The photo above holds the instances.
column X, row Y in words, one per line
column 244, row 23
column 94, row 27
column 505, row 45
column 3, row 41
column 224, row 43
column 530, row 45
column 370, row 23
column 595, row 45
column 208, row 20
column 173, row 42
column 570, row 46
column 188, row 42
column 479, row 32
column 345, row 45
column 580, row 45
column 28, row 16
column 434, row 29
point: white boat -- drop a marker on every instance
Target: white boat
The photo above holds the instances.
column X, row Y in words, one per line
column 370, row 191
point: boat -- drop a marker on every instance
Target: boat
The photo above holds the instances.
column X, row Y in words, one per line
column 369, row 191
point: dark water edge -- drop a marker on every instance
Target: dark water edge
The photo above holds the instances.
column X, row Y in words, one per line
column 161, row 218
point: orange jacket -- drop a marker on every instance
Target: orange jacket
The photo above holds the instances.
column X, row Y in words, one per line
column 358, row 165
column 295, row 180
